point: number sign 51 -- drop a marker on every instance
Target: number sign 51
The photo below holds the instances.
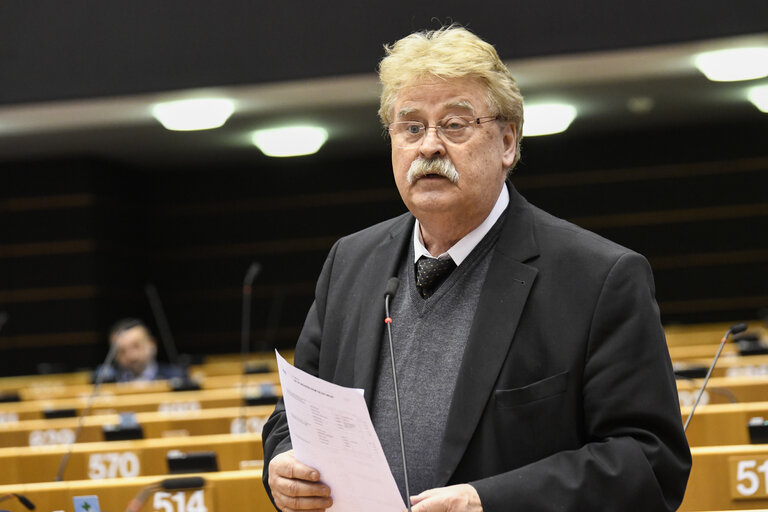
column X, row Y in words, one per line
column 749, row 476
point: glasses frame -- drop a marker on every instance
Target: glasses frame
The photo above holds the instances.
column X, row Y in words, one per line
column 439, row 128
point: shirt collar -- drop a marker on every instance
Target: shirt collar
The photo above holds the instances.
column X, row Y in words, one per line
column 461, row 249
column 149, row 373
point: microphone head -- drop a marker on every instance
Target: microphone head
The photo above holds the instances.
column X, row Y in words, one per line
column 186, row 482
column 26, row 502
column 736, row 329
column 392, row 285
column 251, row 273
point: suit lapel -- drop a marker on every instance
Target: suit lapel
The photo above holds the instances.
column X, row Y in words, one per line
column 382, row 265
column 501, row 304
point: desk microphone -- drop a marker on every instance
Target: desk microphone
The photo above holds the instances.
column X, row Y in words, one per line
column 22, row 499
column 103, row 370
column 245, row 331
column 169, row 484
column 392, row 286
column 163, row 327
column 734, row 329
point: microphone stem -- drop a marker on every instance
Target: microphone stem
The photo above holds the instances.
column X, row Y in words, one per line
column 706, row 379
column 245, row 336
column 97, row 383
column 397, row 402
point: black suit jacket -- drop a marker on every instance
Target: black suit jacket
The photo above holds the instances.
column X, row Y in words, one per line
column 565, row 399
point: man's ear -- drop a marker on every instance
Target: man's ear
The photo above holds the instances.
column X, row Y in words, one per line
column 152, row 348
column 509, row 140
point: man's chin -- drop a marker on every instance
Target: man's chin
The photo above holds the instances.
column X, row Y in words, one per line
column 432, row 197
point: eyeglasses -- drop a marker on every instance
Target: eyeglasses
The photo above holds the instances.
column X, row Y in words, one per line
column 454, row 129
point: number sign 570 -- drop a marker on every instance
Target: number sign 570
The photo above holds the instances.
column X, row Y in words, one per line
column 113, row 465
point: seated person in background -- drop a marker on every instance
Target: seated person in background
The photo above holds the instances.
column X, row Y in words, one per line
column 135, row 355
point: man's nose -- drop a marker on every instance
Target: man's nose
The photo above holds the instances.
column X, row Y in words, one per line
column 432, row 144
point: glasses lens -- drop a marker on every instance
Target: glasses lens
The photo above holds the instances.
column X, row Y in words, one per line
column 456, row 129
column 406, row 133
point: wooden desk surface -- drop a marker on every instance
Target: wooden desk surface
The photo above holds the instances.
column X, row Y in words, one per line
column 723, row 390
column 154, row 424
column 732, row 365
column 722, row 424
column 54, row 392
column 727, row 478
column 226, row 491
column 164, row 402
column 703, row 334
column 121, row 459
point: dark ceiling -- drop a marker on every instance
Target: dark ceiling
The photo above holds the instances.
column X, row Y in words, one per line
column 78, row 77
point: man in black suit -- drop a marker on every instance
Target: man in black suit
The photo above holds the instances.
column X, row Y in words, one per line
column 136, row 354
column 533, row 369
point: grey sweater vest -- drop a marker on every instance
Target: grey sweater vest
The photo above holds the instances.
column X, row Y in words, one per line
column 429, row 338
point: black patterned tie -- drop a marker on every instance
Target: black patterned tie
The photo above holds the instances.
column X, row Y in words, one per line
column 430, row 273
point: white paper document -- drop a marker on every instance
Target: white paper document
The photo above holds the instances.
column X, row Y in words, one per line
column 332, row 432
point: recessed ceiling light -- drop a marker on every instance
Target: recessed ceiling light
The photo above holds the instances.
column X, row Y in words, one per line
column 547, row 118
column 195, row 114
column 640, row 104
column 290, row 140
column 734, row 64
column 759, row 97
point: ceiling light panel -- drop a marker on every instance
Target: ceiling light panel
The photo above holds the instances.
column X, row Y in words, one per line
column 290, row 140
column 193, row 114
column 734, row 64
column 759, row 97
column 547, row 118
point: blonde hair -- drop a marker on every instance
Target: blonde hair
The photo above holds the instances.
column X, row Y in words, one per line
column 450, row 52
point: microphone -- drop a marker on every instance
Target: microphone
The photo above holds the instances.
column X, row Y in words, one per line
column 245, row 331
column 23, row 499
column 169, row 484
column 162, row 323
column 389, row 292
column 184, row 482
column 103, row 370
column 734, row 329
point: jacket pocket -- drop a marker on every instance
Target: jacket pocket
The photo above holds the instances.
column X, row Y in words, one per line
column 539, row 390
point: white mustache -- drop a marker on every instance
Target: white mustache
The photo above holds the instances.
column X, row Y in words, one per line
column 440, row 166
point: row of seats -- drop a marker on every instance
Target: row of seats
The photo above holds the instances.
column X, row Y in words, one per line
column 52, row 392
column 107, row 427
column 224, row 491
column 117, row 459
column 213, row 428
column 728, row 472
column 162, row 401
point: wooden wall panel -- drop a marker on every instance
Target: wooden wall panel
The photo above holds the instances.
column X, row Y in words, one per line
column 82, row 237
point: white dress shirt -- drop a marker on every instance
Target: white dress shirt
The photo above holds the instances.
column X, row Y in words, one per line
column 461, row 249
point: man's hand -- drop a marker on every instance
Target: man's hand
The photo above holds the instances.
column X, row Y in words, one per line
column 296, row 486
column 456, row 498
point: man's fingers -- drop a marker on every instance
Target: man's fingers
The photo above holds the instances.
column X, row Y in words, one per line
column 421, row 497
column 304, row 504
column 286, row 465
column 299, row 488
column 295, row 486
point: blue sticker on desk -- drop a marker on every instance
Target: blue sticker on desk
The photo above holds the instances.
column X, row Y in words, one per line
column 86, row 503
